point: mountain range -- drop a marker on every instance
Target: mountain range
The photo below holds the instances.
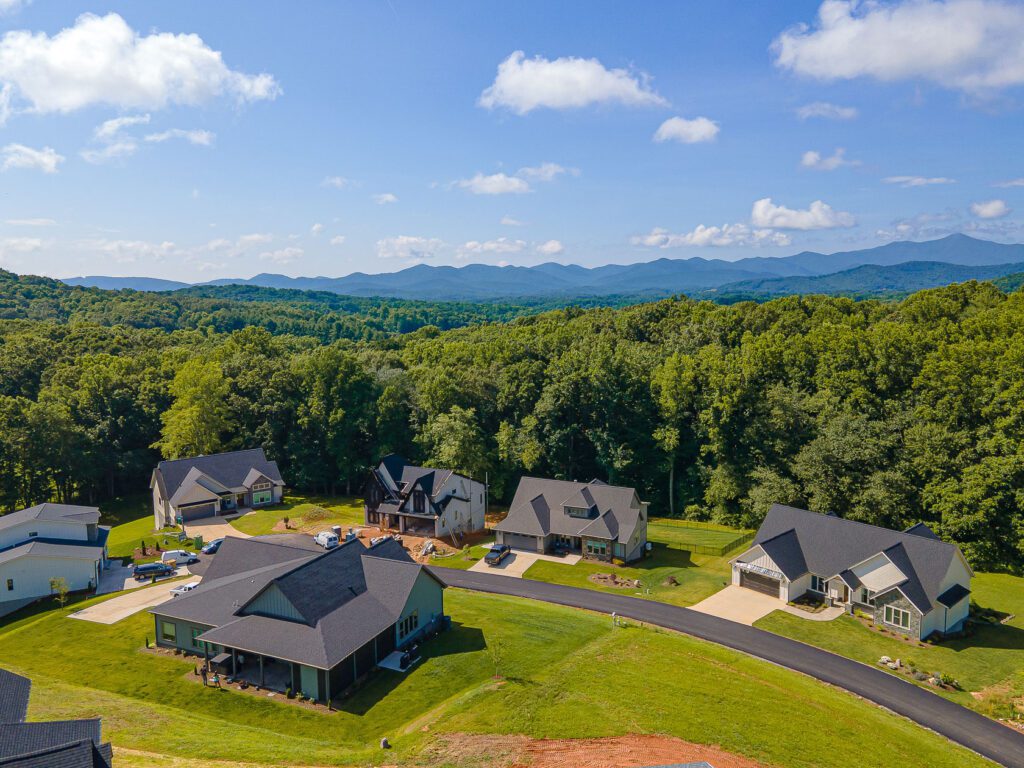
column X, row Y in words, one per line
column 483, row 282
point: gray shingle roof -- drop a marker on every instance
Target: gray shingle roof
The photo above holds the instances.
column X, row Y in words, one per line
column 14, row 695
column 538, row 509
column 51, row 548
column 829, row 545
column 409, row 477
column 49, row 511
column 228, row 469
column 346, row 596
column 953, row 595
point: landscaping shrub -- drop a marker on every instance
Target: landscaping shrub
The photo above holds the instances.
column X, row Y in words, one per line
column 315, row 515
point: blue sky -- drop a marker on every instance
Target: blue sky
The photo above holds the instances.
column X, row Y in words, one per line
column 327, row 138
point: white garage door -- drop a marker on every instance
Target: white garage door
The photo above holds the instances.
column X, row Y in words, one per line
column 520, row 541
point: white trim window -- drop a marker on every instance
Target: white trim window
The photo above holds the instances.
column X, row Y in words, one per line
column 818, row 584
column 865, row 597
column 260, row 486
column 897, row 617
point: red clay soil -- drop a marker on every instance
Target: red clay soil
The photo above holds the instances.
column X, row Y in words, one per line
column 615, row 752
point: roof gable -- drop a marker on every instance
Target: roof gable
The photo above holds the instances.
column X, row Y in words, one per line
column 227, row 469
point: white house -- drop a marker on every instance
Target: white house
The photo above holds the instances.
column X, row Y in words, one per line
column 432, row 502
column 49, row 541
column 222, row 483
column 910, row 581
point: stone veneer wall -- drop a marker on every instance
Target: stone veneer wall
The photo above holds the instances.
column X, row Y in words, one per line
column 896, row 599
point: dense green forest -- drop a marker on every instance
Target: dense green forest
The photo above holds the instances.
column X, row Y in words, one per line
column 887, row 412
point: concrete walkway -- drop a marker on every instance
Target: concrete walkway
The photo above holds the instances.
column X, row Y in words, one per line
column 975, row 731
column 116, row 608
column 517, row 563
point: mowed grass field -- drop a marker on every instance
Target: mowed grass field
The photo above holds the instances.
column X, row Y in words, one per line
column 990, row 663
column 304, row 514
column 564, row 674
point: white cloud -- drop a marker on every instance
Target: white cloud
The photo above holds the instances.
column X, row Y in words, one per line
column 551, row 248
column 819, row 215
column 336, row 182
column 494, row 184
column 408, row 247
column 917, row 181
column 694, row 131
column 500, row 245
column 31, row 222
column 10, row 6
column 702, row 236
column 384, row 198
column 283, row 255
column 523, row 85
column 101, row 60
column 316, row 229
column 338, row 240
column 123, row 148
column 13, row 247
column 128, row 251
column 545, row 172
column 1012, row 183
column 20, row 156
column 109, row 129
column 195, row 136
column 255, row 238
column 837, row 159
column 990, row 209
column 969, row 45
column 826, row 110
column 508, row 221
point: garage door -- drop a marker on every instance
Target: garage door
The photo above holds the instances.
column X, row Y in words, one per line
column 520, row 541
column 197, row 511
column 759, row 583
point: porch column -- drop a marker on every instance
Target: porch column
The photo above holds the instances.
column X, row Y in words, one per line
column 327, row 685
column 262, row 684
column 234, row 663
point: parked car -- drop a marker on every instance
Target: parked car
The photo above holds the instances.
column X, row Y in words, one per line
column 149, row 570
column 327, row 539
column 184, row 589
column 212, row 547
column 497, row 553
column 179, row 557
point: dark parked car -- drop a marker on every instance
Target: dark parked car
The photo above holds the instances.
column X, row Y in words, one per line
column 497, row 553
column 212, row 547
column 149, row 570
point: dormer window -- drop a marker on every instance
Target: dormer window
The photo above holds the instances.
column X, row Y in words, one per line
column 577, row 512
column 419, row 502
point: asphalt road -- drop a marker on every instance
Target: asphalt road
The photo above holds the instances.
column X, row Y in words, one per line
column 976, row 732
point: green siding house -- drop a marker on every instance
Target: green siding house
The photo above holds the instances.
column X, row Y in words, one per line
column 283, row 614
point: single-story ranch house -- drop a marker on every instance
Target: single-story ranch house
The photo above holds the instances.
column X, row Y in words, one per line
column 282, row 613
column 55, row 744
column 602, row 521
column 910, row 581
column 222, row 483
column 432, row 502
column 49, row 541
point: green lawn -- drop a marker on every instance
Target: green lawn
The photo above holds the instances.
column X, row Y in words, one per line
column 696, row 576
column 340, row 511
column 567, row 674
column 461, row 560
column 132, row 521
column 684, row 534
column 992, row 659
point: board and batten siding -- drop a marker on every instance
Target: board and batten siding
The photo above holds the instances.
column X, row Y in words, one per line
column 271, row 602
column 426, row 597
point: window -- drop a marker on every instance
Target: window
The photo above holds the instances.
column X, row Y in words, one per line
column 419, row 502
column 260, row 486
column 865, row 596
column 818, row 584
column 33, row 534
column 196, row 643
column 261, row 497
column 597, row 547
column 10, row 585
column 409, row 624
column 897, row 617
column 577, row 512
column 168, row 632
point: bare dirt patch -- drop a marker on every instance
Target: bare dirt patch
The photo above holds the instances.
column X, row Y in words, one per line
column 611, row 580
column 464, row 750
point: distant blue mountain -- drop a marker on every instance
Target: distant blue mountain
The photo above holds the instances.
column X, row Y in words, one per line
column 119, row 283
column 483, row 282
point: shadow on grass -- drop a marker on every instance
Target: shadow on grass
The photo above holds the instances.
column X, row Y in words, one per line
column 459, row 639
column 665, row 556
column 1001, row 636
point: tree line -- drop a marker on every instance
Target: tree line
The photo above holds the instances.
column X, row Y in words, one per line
column 886, row 412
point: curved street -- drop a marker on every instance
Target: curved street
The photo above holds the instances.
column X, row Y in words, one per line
column 974, row 731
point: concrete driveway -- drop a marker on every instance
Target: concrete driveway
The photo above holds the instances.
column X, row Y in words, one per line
column 211, row 528
column 744, row 606
column 516, row 564
column 116, row 608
